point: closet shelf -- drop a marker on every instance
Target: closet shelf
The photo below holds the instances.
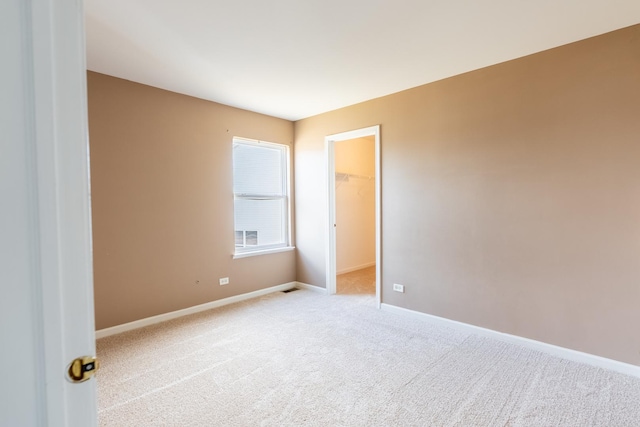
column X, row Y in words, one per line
column 344, row 177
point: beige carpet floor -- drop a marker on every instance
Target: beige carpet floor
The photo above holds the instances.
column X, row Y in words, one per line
column 357, row 282
column 306, row 359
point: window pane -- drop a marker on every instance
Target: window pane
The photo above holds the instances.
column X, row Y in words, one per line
column 257, row 170
column 262, row 221
column 252, row 238
column 239, row 238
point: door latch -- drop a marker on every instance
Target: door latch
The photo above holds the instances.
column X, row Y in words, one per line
column 82, row 368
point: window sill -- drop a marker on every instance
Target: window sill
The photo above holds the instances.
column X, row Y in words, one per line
column 263, row 252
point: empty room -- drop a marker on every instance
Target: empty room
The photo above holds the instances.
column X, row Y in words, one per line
column 322, row 213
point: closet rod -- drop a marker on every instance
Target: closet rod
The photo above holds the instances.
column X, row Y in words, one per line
column 343, row 175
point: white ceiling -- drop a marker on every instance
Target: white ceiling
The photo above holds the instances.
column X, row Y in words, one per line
column 297, row 58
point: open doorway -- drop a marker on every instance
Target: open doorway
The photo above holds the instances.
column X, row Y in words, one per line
column 353, row 227
column 355, row 216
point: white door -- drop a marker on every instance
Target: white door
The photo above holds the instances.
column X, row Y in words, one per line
column 46, row 299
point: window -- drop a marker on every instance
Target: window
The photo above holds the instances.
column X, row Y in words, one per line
column 261, row 196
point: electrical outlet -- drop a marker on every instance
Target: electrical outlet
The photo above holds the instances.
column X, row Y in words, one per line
column 224, row 281
column 398, row 288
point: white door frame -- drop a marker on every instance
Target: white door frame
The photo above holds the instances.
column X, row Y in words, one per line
column 47, row 312
column 330, row 250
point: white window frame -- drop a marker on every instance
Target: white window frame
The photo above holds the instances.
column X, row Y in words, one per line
column 240, row 252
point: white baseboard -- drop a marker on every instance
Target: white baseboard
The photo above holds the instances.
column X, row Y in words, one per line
column 191, row 310
column 564, row 353
column 357, row 267
column 311, row 287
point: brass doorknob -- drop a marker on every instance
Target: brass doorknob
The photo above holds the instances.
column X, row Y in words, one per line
column 82, row 368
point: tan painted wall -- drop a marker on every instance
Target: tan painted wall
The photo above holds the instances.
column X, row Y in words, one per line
column 162, row 200
column 510, row 195
column 355, row 204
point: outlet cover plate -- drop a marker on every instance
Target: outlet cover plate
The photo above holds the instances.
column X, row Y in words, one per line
column 398, row 288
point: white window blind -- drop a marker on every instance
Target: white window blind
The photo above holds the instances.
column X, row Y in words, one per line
column 260, row 191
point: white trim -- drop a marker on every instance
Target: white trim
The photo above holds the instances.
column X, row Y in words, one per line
column 355, row 268
column 313, row 288
column 378, row 192
column 263, row 252
column 330, row 241
column 554, row 350
column 191, row 310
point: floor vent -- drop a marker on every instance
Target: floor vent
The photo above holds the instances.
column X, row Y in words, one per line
column 290, row 290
